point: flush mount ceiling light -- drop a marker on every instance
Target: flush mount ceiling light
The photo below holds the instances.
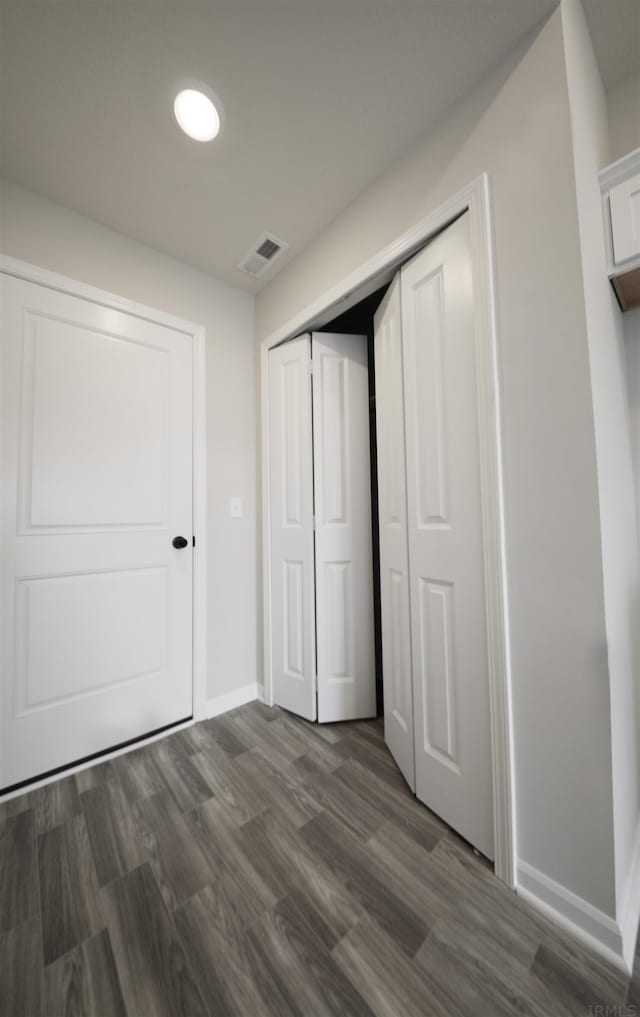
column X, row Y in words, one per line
column 197, row 111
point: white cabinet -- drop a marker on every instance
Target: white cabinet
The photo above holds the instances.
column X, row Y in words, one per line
column 624, row 207
column 620, row 186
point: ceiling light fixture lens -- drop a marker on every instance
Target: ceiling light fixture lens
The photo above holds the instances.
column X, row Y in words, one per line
column 197, row 115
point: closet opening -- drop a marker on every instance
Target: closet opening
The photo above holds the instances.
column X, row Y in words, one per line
column 407, row 341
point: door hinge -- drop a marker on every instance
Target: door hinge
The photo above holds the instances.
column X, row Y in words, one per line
column 314, row 523
column 311, row 367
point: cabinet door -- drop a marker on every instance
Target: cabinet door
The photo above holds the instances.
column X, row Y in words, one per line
column 291, row 525
column 344, row 565
column 624, row 203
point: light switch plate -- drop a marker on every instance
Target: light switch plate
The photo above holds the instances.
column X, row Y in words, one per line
column 235, row 507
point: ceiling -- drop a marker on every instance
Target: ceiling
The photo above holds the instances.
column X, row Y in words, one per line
column 320, row 97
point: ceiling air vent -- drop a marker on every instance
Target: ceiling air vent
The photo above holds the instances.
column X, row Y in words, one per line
column 265, row 251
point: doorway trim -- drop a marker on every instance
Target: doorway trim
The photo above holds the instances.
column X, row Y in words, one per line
column 52, row 280
column 369, row 276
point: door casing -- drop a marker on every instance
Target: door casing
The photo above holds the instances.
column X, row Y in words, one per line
column 364, row 280
column 197, row 333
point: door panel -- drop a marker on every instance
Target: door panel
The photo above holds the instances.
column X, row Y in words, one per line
column 120, row 624
column 448, row 617
column 121, row 444
column 97, row 479
column 394, row 554
column 291, row 523
column 343, row 548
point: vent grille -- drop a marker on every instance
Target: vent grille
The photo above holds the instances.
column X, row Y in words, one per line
column 263, row 253
column 268, row 248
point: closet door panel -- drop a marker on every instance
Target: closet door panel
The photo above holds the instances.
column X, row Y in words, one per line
column 344, row 580
column 394, row 555
column 291, row 524
column 447, row 587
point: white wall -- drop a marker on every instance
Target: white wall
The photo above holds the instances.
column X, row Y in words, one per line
column 632, row 342
column 45, row 234
column 516, row 127
column 623, row 106
column 605, row 331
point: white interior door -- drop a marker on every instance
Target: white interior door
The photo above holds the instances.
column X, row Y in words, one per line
column 291, row 523
column 394, row 550
column 448, row 617
column 343, row 547
column 96, row 482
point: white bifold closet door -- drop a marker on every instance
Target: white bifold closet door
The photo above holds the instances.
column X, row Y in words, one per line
column 451, row 718
column 394, row 540
column 322, row 640
column 344, row 554
column 293, row 647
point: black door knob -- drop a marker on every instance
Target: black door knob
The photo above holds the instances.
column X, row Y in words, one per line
column 179, row 542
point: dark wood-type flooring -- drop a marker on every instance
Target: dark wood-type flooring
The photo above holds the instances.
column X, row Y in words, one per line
column 256, row 864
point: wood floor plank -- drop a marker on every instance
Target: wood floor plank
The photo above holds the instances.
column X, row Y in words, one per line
column 334, row 796
column 115, row 841
column 231, row 785
column 139, row 774
column 266, row 713
column 84, row 982
column 56, row 803
column 227, row 735
column 288, row 867
column 500, row 919
column 331, row 733
column 473, row 981
column 194, row 738
column 15, row 805
column 176, row 857
column 71, row 906
column 218, row 835
column 371, row 730
column 575, row 977
column 389, row 982
column 375, row 760
column 259, row 735
column 400, row 808
column 309, row 978
column 461, row 862
column 21, row 990
column 93, row 776
column 18, row 870
column 233, row 977
column 185, row 782
column 153, row 971
column 369, row 882
column 280, row 787
column 308, row 736
column 412, row 871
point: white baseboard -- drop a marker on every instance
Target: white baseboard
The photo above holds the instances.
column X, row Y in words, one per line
column 630, row 914
column 597, row 930
column 231, row 700
column 260, row 688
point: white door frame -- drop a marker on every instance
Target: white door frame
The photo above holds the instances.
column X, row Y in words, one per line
column 475, row 198
column 43, row 277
